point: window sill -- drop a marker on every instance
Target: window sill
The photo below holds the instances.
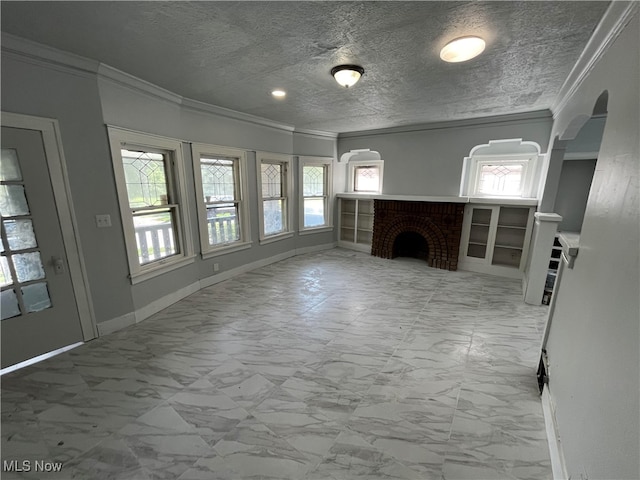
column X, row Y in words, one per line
column 159, row 269
column 234, row 247
column 504, row 200
column 312, row 230
column 276, row 238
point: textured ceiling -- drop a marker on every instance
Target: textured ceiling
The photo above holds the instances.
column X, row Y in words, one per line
column 232, row 54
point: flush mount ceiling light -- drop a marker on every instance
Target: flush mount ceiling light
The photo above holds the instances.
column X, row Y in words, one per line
column 462, row 49
column 278, row 93
column 347, row 75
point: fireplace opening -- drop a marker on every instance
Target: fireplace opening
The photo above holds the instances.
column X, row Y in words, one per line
column 411, row 244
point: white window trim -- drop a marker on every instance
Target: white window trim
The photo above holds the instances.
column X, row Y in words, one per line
column 286, row 160
column 364, row 163
column 119, row 138
column 528, row 162
column 496, row 152
column 328, row 206
column 206, row 250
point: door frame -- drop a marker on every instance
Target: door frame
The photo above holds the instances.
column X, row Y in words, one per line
column 52, row 142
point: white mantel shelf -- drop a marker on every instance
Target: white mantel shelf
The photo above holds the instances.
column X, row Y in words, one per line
column 443, row 199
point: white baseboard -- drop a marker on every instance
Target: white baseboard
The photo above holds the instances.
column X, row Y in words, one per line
column 118, row 323
column 115, row 324
column 558, row 466
column 222, row 276
column 166, row 301
column 495, row 270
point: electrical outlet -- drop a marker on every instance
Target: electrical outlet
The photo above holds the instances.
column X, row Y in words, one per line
column 216, row 267
column 103, row 221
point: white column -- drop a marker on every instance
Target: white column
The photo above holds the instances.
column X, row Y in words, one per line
column 544, row 232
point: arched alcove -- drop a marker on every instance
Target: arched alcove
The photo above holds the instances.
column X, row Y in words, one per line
column 581, row 152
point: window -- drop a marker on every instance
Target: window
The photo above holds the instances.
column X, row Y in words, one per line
column 365, row 176
column 150, row 181
column 274, row 190
column 502, row 168
column 500, row 178
column 22, row 275
column 315, row 193
column 220, row 175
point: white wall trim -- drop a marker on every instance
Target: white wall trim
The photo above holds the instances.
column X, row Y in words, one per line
column 115, row 324
column 131, row 318
column 511, row 118
column 41, row 54
column 222, row 276
column 52, row 142
column 45, row 55
column 163, row 302
column 558, row 466
column 124, row 79
column 233, row 114
column 617, row 16
column 314, row 133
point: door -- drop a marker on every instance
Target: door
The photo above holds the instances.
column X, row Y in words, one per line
column 38, row 305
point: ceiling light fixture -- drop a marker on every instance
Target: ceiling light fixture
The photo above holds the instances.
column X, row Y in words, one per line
column 347, row 75
column 279, row 93
column 462, row 49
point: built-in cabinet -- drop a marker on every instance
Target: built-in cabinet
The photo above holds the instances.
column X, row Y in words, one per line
column 356, row 223
column 495, row 239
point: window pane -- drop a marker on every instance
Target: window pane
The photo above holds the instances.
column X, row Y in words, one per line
column 20, row 234
column 218, row 181
column 36, row 297
column 9, row 304
column 155, row 235
column 367, row 179
column 313, row 212
column 504, row 179
column 13, row 201
column 313, row 181
column 222, row 224
column 28, row 266
column 271, row 180
column 9, row 166
column 146, row 178
column 273, row 217
column 5, row 272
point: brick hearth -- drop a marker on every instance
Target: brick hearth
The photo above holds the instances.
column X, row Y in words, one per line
column 440, row 224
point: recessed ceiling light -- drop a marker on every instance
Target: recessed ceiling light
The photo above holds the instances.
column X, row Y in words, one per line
column 462, row 49
column 347, row 75
column 279, row 93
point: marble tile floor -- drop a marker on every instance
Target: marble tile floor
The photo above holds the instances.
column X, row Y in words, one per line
column 331, row 365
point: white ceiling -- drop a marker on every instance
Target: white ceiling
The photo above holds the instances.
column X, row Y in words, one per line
column 232, row 54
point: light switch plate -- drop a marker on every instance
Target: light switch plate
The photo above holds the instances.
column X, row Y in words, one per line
column 103, row 221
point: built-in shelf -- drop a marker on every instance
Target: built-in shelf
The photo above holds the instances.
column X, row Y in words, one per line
column 356, row 223
column 495, row 238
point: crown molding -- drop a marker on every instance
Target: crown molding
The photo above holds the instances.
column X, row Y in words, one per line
column 470, row 122
column 124, row 79
column 315, row 133
column 196, row 105
column 613, row 22
column 46, row 56
column 50, row 57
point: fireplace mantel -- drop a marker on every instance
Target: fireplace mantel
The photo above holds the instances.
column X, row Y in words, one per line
column 442, row 199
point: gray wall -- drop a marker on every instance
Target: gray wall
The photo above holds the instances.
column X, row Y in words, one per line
column 573, row 192
column 594, row 347
column 72, row 98
column 429, row 161
column 84, row 101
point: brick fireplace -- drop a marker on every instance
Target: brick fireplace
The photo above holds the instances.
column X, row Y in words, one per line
column 426, row 230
